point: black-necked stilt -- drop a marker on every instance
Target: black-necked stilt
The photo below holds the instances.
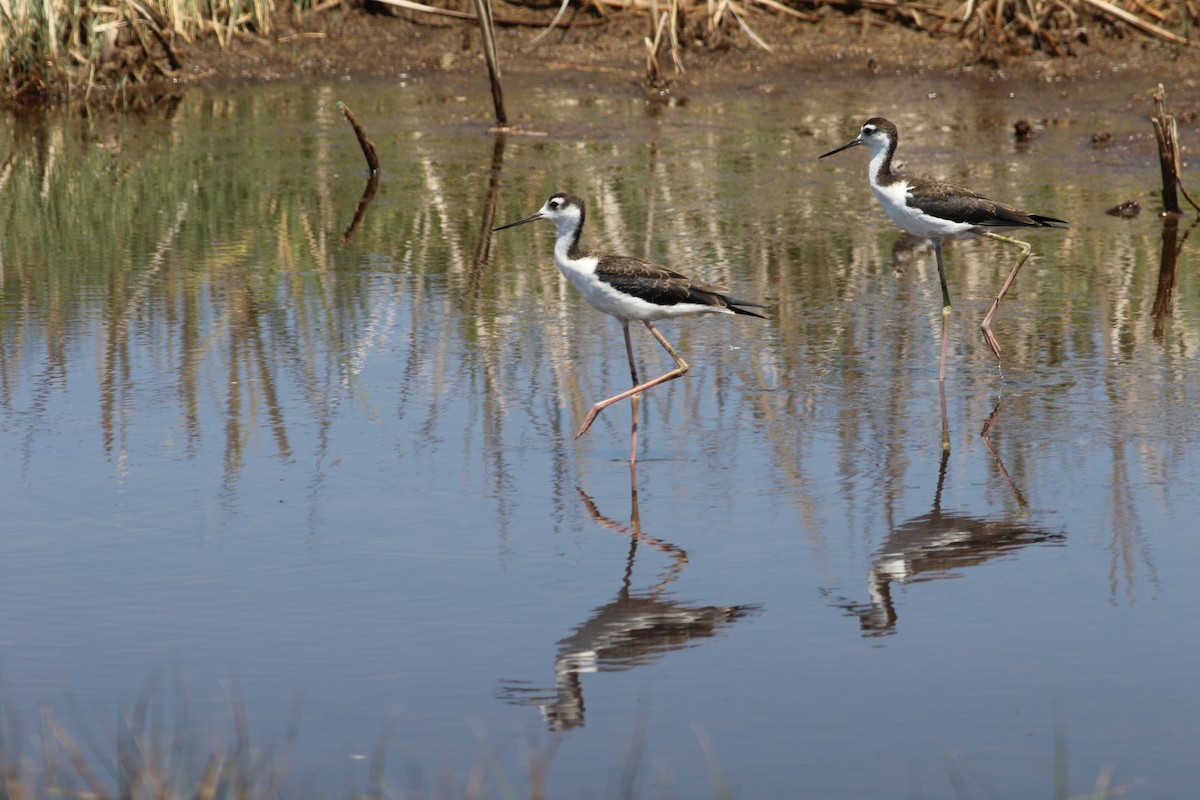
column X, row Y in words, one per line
column 629, row 289
column 941, row 212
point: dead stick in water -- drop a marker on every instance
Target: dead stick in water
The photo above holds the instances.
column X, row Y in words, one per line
column 367, row 147
column 1166, row 131
column 1182, row 188
column 487, row 30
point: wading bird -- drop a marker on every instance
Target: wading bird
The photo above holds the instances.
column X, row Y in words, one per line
column 941, row 212
column 629, row 289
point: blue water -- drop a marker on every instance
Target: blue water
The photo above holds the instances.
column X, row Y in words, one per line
column 339, row 479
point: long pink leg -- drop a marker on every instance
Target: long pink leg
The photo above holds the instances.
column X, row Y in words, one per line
column 986, row 326
column 636, row 400
column 937, row 250
column 681, row 367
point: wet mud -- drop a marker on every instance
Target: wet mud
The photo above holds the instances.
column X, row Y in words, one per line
column 374, row 43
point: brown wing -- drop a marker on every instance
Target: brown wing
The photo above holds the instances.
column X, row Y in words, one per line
column 957, row 203
column 656, row 284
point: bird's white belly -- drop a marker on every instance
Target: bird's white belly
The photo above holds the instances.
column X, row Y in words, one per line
column 910, row 219
column 603, row 297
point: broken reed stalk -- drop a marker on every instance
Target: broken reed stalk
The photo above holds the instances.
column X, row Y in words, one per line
column 673, row 30
column 487, row 29
column 562, row 9
column 654, row 76
column 411, row 5
column 664, row 32
column 364, row 142
column 1166, row 131
column 372, row 157
column 1135, row 21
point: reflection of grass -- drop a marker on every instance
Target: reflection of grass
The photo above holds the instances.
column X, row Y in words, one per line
column 190, row 276
column 195, row 269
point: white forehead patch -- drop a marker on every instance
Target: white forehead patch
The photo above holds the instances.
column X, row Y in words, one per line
column 561, row 205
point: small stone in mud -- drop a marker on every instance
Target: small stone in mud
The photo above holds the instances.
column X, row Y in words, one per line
column 1126, row 210
column 1023, row 130
column 1101, row 139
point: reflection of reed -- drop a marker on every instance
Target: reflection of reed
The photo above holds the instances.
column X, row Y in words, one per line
column 1139, row 368
column 228, row 283
column 1168, row 271
column 488, row 217
column 634, row 629
column 124, row 313
column 360, row 210
column 254, row 244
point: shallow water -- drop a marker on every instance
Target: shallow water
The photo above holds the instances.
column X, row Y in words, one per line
column 252, row 451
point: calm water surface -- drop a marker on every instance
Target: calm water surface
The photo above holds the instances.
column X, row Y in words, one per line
column 251, row 447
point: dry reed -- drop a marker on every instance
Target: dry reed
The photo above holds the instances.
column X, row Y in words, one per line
column 56, row 47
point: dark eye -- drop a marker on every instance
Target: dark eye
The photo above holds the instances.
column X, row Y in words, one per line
column 868, row 129
column 555, row 204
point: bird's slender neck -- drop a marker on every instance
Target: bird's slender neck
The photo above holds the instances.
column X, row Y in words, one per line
column 880, row 168
column 567, row 246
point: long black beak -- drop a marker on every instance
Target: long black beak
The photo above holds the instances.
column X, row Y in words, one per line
column 846, row 146
column 535, row 216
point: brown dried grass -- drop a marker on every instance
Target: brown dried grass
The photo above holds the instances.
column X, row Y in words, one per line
column 56, row 49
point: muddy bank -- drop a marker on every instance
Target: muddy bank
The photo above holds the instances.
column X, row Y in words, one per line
column 377, row 43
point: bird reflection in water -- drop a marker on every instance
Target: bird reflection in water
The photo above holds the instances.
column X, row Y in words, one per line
column 937, row 545
column 908, row 251
column 636, row 628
